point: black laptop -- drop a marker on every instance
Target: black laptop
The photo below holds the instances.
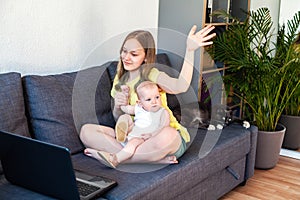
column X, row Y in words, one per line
column 47, row 169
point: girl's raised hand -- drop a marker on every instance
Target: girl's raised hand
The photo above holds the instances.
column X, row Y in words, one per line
column 200, row 38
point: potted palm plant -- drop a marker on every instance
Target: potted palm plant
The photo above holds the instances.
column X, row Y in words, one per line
column 263, row 73
column 291, row 115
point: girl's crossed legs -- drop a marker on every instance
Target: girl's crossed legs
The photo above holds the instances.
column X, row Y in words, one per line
column 154, row 150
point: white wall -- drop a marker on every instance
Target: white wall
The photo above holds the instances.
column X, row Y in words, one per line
column 288, row 8
column 54, row 36
column 281, row 10
column 273, row 5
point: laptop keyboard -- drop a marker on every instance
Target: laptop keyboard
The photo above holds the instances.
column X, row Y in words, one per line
column 85, row 189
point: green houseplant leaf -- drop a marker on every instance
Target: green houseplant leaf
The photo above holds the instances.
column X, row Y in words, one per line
column 264, row 73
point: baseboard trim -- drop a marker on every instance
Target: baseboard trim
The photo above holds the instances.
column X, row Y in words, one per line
column 290, row 153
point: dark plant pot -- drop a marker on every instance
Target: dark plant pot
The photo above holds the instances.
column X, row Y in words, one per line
column 268, row 147
column 292, row 135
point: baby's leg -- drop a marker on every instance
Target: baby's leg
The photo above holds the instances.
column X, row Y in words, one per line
column 114, row 159
column 122, row 127
column 129, row 149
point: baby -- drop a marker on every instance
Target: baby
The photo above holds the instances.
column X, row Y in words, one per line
column 149, row 118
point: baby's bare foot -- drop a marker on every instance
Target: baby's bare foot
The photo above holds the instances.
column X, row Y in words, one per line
column 121, row 131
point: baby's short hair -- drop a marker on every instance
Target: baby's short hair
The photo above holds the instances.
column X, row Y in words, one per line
column 143, row 84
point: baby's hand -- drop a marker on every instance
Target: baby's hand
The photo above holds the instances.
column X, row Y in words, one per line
column 146, row 136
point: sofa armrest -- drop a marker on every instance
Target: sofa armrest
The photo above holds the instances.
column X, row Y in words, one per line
column 250, row 159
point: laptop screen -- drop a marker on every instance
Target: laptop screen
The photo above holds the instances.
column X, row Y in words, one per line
column 38, row 166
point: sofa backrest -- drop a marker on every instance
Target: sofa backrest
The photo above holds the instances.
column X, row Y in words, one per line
column 12, row 110
column 58, row 105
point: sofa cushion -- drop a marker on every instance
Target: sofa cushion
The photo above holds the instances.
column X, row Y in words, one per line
column 91, row 100
column 58, row 105
column 12, row 110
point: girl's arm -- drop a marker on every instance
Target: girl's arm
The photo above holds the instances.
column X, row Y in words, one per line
column 121, row 99
column 194, row 41
column 116, row 110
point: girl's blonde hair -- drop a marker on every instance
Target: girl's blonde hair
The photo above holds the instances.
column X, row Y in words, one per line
column 146, row 40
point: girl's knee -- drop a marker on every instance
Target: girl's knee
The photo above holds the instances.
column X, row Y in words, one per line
column 169, row 133
column 85, row 129
column 168, row 138
column 172, row 138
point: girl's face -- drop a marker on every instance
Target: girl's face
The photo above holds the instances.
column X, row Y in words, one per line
column 132, row 55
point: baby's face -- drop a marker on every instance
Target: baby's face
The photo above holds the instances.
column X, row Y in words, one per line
column 150, row 99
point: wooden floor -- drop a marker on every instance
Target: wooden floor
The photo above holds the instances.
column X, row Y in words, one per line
column 279, row 183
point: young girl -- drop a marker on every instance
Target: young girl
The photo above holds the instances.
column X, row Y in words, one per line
column 137, row 61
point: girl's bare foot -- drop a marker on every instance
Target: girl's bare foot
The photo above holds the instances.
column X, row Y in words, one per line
column 105, row 158
column 168, row 160
column 109, row 159
column 92, row 153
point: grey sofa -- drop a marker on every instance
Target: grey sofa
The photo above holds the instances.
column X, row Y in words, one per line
column 53, row 108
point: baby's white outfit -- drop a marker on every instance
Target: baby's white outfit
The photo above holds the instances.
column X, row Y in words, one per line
column 145, row 121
